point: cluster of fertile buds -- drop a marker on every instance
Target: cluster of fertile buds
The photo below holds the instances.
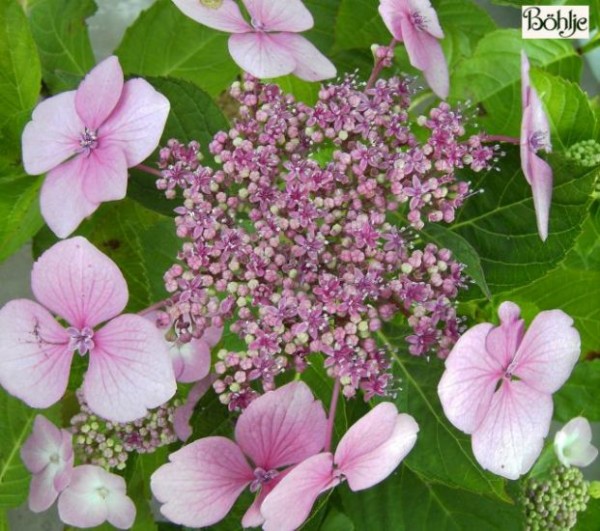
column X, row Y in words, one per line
column 306, row 237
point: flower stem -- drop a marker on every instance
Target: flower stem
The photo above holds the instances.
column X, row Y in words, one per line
column 502, row 138
column 148, row 169
column 331, row 418
column 378, row 67
column 155, row 306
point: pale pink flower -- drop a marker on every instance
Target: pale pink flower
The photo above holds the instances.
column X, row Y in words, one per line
column 499, row 381
column 129, row 367
column 367, row 454
column 535, row 136
column 270, row 45
column 201, row 483
column 415, row 23
column 573, row 443
column 48, row 455
column 95, row 496
column 86, row 139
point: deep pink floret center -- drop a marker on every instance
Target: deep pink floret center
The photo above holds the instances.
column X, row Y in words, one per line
column 81, row 340
column 88, row 140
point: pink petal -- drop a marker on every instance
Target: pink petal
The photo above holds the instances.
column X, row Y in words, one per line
column 137, row 122
column 130, row 370
column 95, row 496
column 183, row 414
column 274, row 15
column 290, row 502
column 253, row 517
column 99, row 92
column 261, row 55
column 42, row 493
column 511, row 437
column 374, row 446
column 53, row 134
column 212, row 335
column 392, row 11
column 429, row 15
column 503, row 341
column 62, row 201
column 227, row 17
column 311, row 64
column 548, row 352
column 201, row 483
column 35, row 359
column 541, row 189
column 105, row 174
column 525, row 83
column 425, row 53
column 467, row 385
column 282, row 427
column 191, row 361
column 79, row 283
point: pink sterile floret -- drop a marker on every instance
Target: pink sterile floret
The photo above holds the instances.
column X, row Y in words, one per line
column 129, row 366
column 535, row 136
column 367, row 454
column 203, row 479
column 86, row 139
column 268, row 46
column 48, row 455
column 415, row 23
column 95, row 496
column 499, row 381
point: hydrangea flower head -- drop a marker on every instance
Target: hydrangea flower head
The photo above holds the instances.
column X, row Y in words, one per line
column 573, row 443
column 95, row 496
column 367, row 454
column 86, row 139
column 535, row 136
column 499, row 381
column 415, row 23
column 270, row 45
column 203, row 479
column 48, row 455
column 129, row 366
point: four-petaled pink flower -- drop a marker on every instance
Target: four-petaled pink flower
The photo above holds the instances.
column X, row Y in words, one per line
column 201, row 483
column 86, row 139
column 95, row 496
column 48, row 455
column 129, row 367
column 415, row 23
column 270, row 45
column 367, row 454
column 535, row 136
column 499, row 381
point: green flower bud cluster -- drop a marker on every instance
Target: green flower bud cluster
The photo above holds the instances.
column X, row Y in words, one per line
column 585, row 153
column 97, row 441
column 553, row 504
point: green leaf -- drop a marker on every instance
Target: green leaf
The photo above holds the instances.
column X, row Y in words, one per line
column 19, row 211
column 579, row 396
column 492, row 76
column 325, row 13
column 570, row 114
column 442, row 453
column 500, row 223
column 141, row 242
column 586, row 253
column 164, row 42
column 20, row 75
column 61, row 35
column 359, row 25
column 408, row 502
column 337, row 521
column 138, row 487
column 16, row 420
column 194, row 116
column 588, row 520
column 462, row 251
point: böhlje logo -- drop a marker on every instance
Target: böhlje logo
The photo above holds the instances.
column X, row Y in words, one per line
column 555, row 22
